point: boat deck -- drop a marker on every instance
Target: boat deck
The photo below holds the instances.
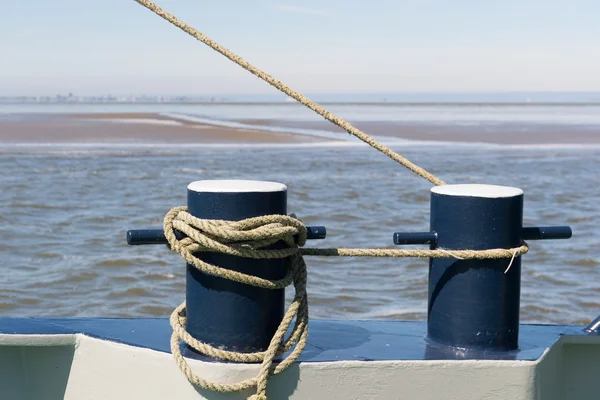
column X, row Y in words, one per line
column 329, row 340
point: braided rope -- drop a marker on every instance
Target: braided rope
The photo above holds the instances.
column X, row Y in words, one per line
column 419, row 253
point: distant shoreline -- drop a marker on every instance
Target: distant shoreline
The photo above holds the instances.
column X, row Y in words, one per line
column 363, row 98
column 327, row 103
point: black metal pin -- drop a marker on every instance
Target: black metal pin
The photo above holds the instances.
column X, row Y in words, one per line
column 157, row 236
column 529, row 233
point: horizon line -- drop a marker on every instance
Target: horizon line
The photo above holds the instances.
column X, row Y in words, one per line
column 324, row 93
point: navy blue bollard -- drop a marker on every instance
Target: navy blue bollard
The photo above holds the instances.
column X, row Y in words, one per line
column 222, row 313
column 474, row 304
column 226, row 314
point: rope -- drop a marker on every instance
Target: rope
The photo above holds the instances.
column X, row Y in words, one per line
column 418, row 253
column 250, row 238
column 290, row 92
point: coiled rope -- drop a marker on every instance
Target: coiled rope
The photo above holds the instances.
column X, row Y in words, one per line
column 249, row 238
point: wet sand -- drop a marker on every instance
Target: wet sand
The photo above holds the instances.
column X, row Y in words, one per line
column 157, row 128
column 130, row 128
column 497, row 133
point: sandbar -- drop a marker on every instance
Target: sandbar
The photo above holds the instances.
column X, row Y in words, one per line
column 130, row 128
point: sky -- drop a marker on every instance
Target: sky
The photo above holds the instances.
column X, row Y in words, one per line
column 317, row 46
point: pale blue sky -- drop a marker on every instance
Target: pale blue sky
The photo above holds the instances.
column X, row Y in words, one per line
column 118, row 47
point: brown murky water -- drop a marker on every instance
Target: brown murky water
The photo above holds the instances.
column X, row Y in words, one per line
column 64, row 213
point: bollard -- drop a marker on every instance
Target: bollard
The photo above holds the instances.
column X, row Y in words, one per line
column 225, row 314
column 222, row 313
column 474, row 304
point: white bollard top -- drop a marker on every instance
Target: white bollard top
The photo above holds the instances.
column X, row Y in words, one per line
column 236, row 186
column 476, row 190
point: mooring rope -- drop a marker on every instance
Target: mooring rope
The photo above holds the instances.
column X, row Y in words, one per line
column 249, row 238
column 276, row 83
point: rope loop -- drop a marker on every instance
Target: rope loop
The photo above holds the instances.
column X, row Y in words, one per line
column 247, row 238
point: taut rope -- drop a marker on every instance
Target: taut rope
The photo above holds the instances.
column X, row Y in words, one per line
column 290, row 92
